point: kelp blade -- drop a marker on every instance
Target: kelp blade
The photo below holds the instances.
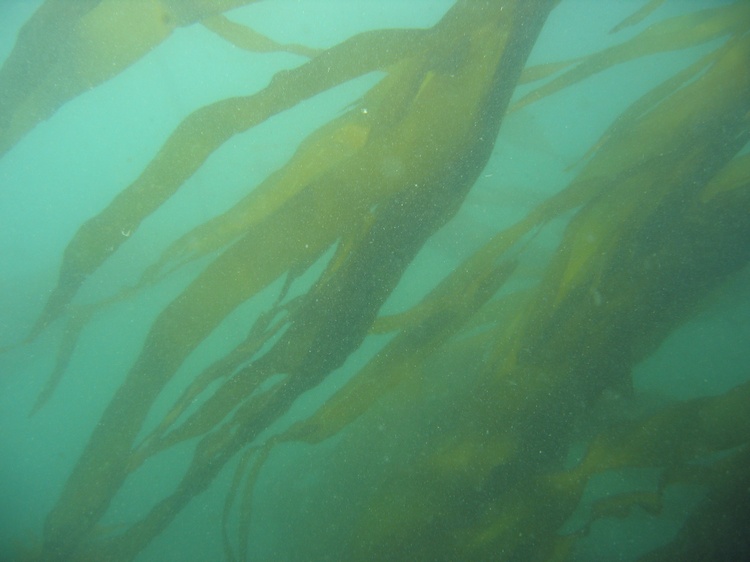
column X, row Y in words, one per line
column 432, row 187
column 68, row 48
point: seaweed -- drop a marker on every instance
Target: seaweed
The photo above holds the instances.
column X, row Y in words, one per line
column 485, row 380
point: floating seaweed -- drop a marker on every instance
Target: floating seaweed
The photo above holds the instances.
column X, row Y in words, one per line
column 481, row 380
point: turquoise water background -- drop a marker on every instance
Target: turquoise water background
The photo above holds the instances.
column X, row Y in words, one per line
column 70, row 166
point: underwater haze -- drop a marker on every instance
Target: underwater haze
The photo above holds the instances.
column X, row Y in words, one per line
column 289, row 280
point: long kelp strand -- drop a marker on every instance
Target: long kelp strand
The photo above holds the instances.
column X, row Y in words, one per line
column 198, row 136
column 67, row 48
column 339, row 312
column 673, row 437
column 637, row 17
column 672, row 34
column 324, row 150
column 559, row 358
column 250, row 40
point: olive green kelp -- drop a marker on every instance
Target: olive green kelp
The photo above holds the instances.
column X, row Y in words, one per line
column 67, row 48
column 425, row 134
column 454, row 440
column 491, row 404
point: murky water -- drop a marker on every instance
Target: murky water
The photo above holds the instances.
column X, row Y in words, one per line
column 370, row 280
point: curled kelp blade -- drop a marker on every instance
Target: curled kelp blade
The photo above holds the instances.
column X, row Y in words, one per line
column 675, row 33
column 199, row 135
column 67, row 48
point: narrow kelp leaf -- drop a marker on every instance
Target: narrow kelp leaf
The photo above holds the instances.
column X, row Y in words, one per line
column 240, row 472
column 202, row 420
column 478, row 266
column 675, row 33
column 677, row 435
column 619, row 152
column 245, row 516
column 542, row 71
column 651, row 99
column 67, row 48
column 76, row 323
column 637, row 17
column 320, row 154
column 678, row 127
column 199, row 135
column 561, row 356
column 441, row 159
column 250, row 40
column 399, row 364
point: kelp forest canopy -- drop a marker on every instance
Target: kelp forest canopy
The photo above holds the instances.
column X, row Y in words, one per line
column 417, row 292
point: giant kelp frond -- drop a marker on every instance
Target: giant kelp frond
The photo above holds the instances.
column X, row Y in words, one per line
column 325, row 162
column 618, row 157
column 673, row 437
column 607, row 298
column 676, row 33
column 450, row 443
column 417, row 168
column 199, row 135
column 589, row 283
column 67, row 48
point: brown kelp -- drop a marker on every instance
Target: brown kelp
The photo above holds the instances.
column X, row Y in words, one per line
column 454, row 439
column 468, row 69
column 67, row 48
column 534, row 373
